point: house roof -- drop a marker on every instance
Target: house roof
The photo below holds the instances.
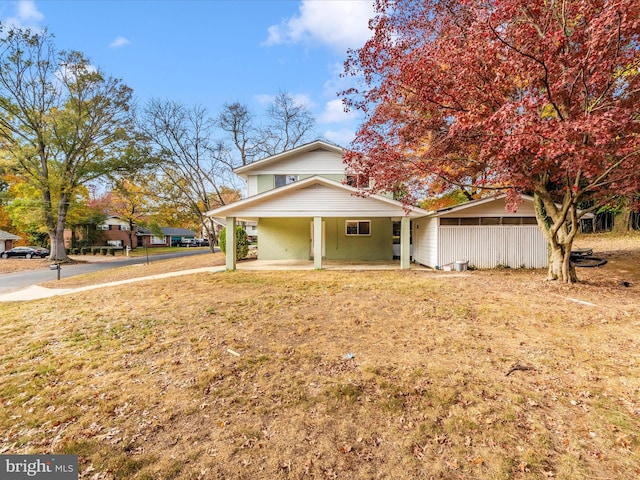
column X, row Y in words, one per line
column 316, row 196
column 475, row 203
column 309, row 147
column 183, row 232
column 8, row 236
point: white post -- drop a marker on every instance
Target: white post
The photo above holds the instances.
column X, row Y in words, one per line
column 231, row 257
column 405, row 243
column 317, row 243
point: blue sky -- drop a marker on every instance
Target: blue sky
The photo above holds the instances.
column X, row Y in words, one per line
column 209, row 52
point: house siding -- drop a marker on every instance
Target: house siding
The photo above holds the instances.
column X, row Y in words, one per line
column 317, row 162
column 320, row 200
column 491, row 246
column 425, row 241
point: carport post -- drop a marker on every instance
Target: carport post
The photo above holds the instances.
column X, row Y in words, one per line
column 231, row 243
column 405, row 245
column 317, row 243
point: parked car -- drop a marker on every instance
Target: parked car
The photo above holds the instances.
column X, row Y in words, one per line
column 187, row 242
column 26, row 252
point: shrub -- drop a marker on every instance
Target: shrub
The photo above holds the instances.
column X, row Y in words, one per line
column 242, row 242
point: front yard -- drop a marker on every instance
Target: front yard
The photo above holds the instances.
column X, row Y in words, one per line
column 251, row 375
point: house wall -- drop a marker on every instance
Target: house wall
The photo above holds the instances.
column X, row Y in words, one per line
column 425, row 241
column 116, row 237
column 283, row 239
column 267, row 182
column 377, row 246
column 289, row 239
column 318, row 162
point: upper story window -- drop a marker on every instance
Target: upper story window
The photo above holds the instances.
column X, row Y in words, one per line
column 282, row 180
column 360, row 180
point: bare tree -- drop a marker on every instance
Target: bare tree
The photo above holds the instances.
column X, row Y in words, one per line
column 236, row 119
column 193, row 166
column 290, row 124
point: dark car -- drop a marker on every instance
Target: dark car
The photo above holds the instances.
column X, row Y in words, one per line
column 26, row 252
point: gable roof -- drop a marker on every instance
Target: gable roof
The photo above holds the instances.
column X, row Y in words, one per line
column 475, row 203
column 8, row 236
column 309, row 147
column 316, row 196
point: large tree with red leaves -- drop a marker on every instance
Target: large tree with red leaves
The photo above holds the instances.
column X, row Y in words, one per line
column 525, row 96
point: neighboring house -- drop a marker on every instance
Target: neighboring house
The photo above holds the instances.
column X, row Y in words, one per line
column 483, row 233
column 250, row 227
column 7, row 240
column 170, row 237
column 307, row 207
column 115, row 231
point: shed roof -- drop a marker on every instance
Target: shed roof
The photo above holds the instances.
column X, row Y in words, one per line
column 476, row 203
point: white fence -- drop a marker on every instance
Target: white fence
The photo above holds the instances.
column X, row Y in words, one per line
column 521, row 246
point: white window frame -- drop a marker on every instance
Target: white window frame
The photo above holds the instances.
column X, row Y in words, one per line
column 288, row 179
column 358, row 223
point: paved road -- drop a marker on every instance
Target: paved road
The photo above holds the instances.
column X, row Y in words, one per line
column 10, row 282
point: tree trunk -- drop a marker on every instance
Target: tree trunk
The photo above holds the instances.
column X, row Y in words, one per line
column 560, row 266
column 211, row 235
column 58, row 251
column 559, row 235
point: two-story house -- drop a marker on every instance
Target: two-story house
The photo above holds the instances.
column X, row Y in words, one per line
column 115, row 231
column 306, row 207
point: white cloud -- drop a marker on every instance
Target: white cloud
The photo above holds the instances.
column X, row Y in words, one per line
column 264, row 99
column 301, row 99
column 339, row 24
column 27, row 15
column 342, row 137
column 120, row 42
column 334, row 112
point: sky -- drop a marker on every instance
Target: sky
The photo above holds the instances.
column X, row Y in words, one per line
column 212, row 52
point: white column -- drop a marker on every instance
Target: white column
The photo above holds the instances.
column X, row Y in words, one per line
column 405, row 243
column 317, row 243
column 231, row 243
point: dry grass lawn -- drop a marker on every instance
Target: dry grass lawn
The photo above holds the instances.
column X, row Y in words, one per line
column 329, row 374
